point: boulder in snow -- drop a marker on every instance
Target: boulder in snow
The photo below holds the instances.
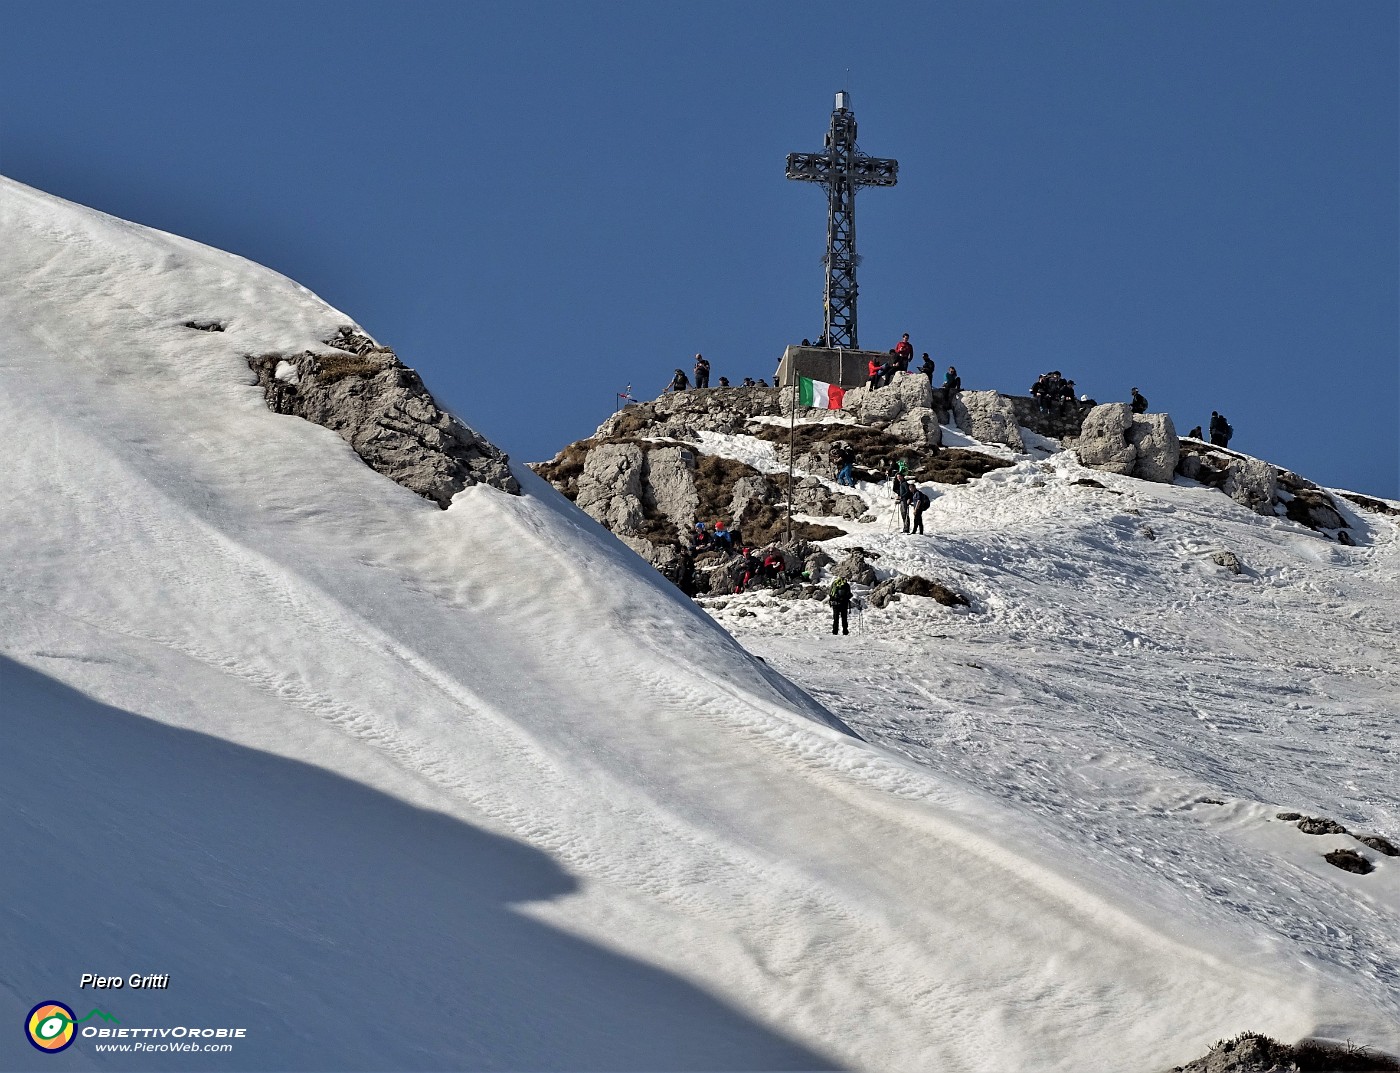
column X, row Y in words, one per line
column 988, row 417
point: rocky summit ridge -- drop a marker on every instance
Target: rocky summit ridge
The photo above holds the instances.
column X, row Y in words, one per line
column 655, row 469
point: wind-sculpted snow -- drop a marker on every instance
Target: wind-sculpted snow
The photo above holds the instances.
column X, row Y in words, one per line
column 398, row 787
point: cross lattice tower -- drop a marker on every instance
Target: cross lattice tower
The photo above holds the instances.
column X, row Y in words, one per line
column 842, row 169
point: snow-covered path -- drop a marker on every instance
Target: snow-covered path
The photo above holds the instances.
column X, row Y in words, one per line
column 337, row 758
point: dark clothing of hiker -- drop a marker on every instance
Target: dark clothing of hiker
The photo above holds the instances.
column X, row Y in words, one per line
column 1139, row 402
column 1195, row 433
column 905, row 491
column 952, row 382
column 1220, row 430
column 724, row 381
column 840, row 597
column 679, row 382
column 921, row 502
column 845, row 463
column 702, row 372
column 927, row 368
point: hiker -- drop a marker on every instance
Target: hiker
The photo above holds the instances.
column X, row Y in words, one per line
column 904, row 350
column 724, row 381
column 679, row 382
column 845, row 462
column 840, row 596
column 1220, row 430
column 921, row 502
column 772, row 567
column 927, row 367
column 701, row 536
column 952, row 382
column 1139, row 402
column 762, row 382
column 901, row 491
column 1195, row 433
column 748, row 382
column 724, row 536
column 876, row 371
column 702, row 372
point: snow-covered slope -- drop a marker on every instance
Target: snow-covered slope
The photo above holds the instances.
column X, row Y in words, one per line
column 395, row 787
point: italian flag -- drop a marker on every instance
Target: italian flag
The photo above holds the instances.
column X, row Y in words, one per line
column 822, row 396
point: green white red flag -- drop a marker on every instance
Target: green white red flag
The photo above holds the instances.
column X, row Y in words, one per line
column 820, row 395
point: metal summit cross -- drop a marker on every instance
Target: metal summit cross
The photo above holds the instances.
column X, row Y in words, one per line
column 842, row 169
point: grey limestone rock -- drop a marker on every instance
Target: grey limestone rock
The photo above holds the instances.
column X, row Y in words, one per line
column 854, row 568
column 610, row 487
column 811, row 496
column 1251, row 483
column 917, row 426
column 1103, row 439
column 1158, row 447
column 669, row 485
column 381, row 408
column 988, row 417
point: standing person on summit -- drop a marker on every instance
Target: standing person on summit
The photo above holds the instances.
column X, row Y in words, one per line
column 904, row 351
column 1139, row 402
column 702, row 372
column 1220, row 430
column 927, row 367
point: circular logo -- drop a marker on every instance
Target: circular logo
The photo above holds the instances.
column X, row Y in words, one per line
column 50, row 1026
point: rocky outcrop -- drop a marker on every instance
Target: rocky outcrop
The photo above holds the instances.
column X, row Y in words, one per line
column 882, row 406
column 913, row 585
column 610, row 487
column 1158, row 448
column 855, row 568
column 1103, row 439
column 988, row 417
column 1116, row 440
column 1263, row 488
column 380, row 408
column 681, row 414
column 1251, row 483
column 1061, row 421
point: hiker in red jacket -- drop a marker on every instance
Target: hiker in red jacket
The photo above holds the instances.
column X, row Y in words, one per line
column 904, row 350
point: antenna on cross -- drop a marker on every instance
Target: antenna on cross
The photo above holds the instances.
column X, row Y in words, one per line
column 842, row 169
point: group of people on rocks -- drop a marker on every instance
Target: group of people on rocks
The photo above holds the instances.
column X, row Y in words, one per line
column 1220, row 431
column 881, row 373
column 1052, row 392
column 757, row 567
column 681, row 382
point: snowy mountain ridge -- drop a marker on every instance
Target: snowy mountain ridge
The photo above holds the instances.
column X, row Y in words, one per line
column 331, row 756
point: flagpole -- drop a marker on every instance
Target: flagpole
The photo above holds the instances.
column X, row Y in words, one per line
column 792, row 451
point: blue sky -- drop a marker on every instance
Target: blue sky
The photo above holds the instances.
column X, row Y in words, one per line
column 536, row 204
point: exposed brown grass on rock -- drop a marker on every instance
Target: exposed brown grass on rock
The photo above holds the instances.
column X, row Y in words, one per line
column 876, row 450
column 1375, row 506
column 339, row 365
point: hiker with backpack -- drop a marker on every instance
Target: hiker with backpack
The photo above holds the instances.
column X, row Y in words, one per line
column 840, row 597
column 921, row 502
column 904, row 492
column 1139, row 402
column 702, row 372
column 1220, row 430
column 845, row 464
column 679, row 382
